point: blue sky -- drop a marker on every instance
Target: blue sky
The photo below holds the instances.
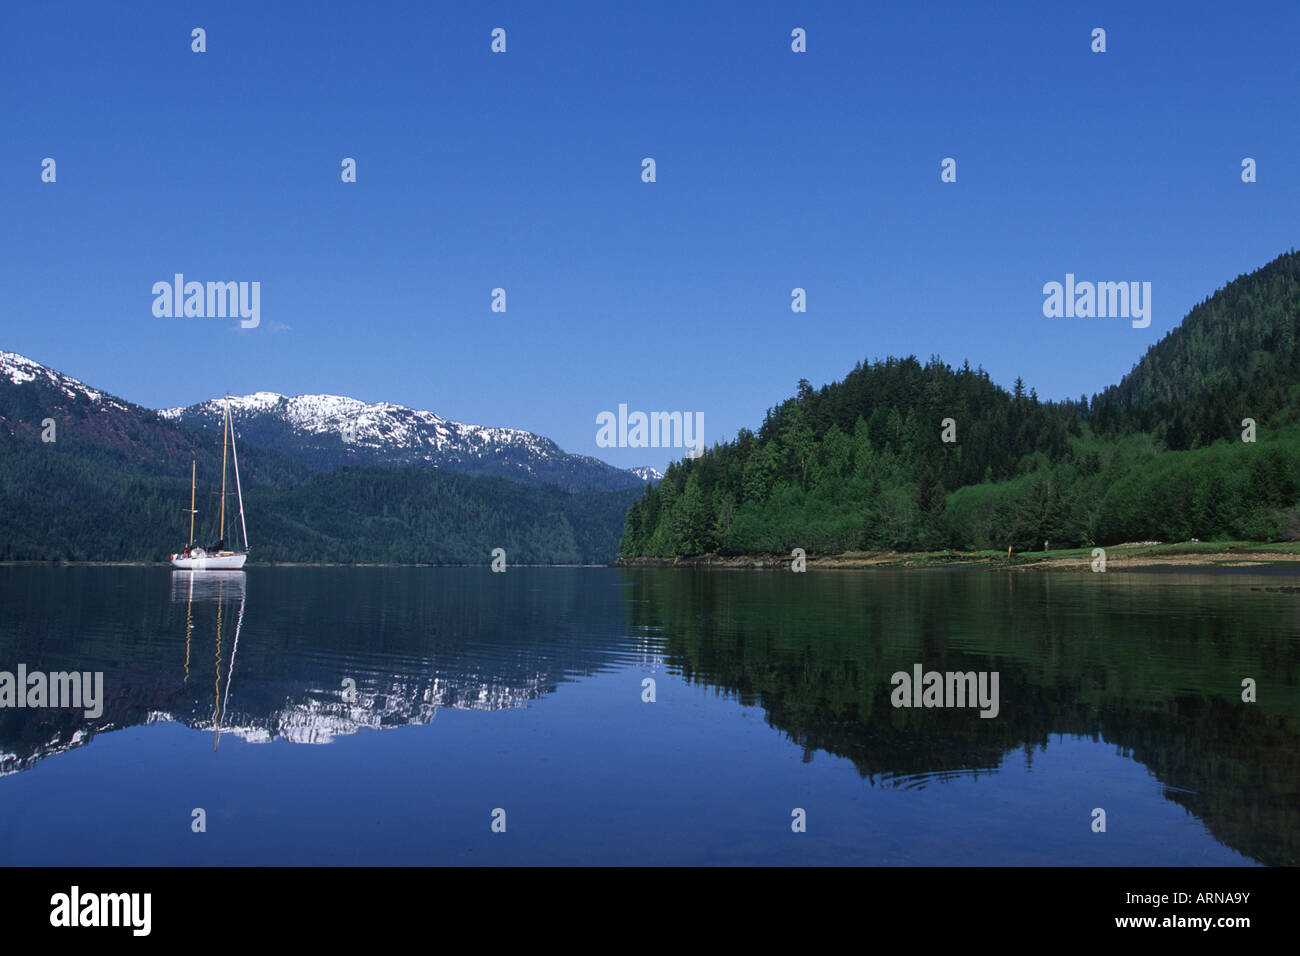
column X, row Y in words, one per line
column 523, row 171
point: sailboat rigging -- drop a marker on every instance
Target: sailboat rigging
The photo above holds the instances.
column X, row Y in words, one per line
column 219, row 558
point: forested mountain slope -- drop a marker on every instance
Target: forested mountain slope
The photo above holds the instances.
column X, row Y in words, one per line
column 862, row 464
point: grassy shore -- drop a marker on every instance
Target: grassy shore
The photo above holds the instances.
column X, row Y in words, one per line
column 1189, row 554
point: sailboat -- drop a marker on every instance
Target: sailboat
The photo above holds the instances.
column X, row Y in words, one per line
column 218, row 558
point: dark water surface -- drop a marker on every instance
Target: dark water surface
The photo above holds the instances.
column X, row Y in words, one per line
column 523, row 691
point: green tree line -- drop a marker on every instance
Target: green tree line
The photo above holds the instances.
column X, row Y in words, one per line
column 862, row 464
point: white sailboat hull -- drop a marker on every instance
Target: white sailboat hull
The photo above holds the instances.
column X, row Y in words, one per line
column 222, row 561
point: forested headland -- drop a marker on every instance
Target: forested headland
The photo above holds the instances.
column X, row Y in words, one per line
column 862, row 464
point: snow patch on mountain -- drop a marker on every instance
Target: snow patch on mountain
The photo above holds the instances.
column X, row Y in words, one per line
column 378, row 425
column 20, row 370
column 396, row 434
column 331, row 430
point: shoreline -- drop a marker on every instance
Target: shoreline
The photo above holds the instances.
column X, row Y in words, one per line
column 1192, row 555
column 275, row 564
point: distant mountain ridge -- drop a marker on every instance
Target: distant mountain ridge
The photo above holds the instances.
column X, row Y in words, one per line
column 118, row 435
column 20, row 370
column 87, row 476
column 327, row 431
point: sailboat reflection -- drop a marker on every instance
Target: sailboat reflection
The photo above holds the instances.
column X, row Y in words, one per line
column 217, row 587
column 207, row 586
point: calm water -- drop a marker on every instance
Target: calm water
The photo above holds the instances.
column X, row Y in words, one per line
column 523, row 691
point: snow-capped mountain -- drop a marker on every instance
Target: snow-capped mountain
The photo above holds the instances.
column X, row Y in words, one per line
column 20, row 370
column 39, row 404
column 331, row 430
column 88, row 476
column 323, row 431
column 647, row 473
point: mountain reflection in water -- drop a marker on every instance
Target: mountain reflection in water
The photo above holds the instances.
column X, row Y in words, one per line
column 1150, row 665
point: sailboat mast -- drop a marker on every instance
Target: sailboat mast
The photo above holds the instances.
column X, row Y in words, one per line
column 193, row 468
column 234, row 457
column 225, row 434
